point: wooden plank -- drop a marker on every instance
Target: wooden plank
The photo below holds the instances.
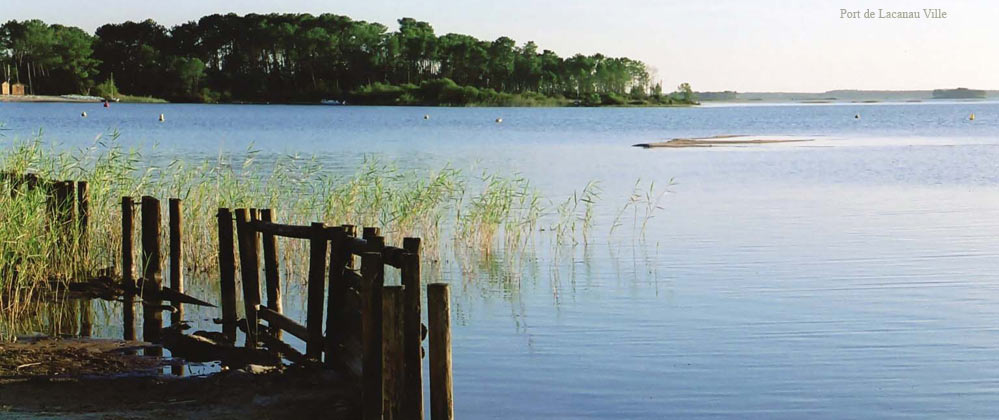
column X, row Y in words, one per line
column 227, row 274
column 250, row 269
column 286, row 231
column 352, row 279
column 393, row 362
column 393, row 256
column 176, row 257
column 152, row 271
column 278, row 321
column 335, row 296
column 350, row 232
column 128, row 267
column 410, row 273
column 316, row 290
column 271, row 273
column 372, row 272
column 441, row 390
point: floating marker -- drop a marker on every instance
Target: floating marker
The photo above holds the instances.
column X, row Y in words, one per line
column 83, row 114
column 162, row 118
column 972, row 117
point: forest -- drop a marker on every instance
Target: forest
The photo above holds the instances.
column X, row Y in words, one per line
column 302, row 58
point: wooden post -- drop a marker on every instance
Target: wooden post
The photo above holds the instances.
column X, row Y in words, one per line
column 372, row 277
column 441, row 392
column 152, row 272
column 86, row 318
column 351, row 232
column 127, row 268
column 336, row 294
column 250, row 268
column 271, row 278
column 61, row 208
column 176, row 257
column 410, row 274
column 394, row 399
column 227, row 274
column 83, row 207
column 316, row 290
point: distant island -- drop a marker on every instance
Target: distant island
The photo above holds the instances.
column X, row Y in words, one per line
column 302, row 58
column 847, row 95
column 959, row 93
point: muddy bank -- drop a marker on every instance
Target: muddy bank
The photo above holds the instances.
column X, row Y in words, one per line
column 725, row 140
column 76, row 378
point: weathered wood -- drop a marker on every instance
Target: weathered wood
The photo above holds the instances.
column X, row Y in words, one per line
column 227, row 274
column 176, row 298
column 83, row 207
column 152, row 270
column 86, row 318
column 357, row 246
column 127, row 267
column 286, row 231
column 60, row 204
column 250, row 270
column 64, row 200
column 267, row 336
column 393, row 256
column 349, row 232
column 441, row 392
column 176, row 257
column 370, row 231
column 352, row 279
column 278, row 321
column 316, row 291
column 410, row 273
column 335, row 296
column 372, row 272
column 271, row 278
column 393, row 361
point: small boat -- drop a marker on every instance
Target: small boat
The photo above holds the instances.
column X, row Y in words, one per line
column 332, row 102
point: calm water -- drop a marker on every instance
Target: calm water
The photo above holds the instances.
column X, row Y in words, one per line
column 856, row 276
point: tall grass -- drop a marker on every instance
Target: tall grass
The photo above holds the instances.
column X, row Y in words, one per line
column 474, row 215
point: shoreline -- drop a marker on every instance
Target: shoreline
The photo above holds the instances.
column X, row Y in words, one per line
column 45, row 99
column 72, row 99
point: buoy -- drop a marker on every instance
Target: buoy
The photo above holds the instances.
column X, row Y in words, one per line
column 857, row 117
column 499, row 120
column 426, row 116
column 83, row 114
column 972, row 117
column 162, row 118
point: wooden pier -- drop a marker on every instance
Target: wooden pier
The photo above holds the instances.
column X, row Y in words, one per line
column 356, row 324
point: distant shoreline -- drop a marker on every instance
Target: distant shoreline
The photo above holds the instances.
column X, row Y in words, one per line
column 45, row 98
column 127, row 99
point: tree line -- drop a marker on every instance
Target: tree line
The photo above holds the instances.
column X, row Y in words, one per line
column 306, row 58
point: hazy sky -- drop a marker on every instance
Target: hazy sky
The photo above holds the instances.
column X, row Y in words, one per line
column 714, row 45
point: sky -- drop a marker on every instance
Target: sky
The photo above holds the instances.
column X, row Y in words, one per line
column 746, row 46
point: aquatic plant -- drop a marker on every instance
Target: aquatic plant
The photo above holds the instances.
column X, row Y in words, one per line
column 474, row 215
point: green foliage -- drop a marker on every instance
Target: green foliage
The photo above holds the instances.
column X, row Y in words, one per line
column 106, row 89
column 49, row 59
column 303, row 58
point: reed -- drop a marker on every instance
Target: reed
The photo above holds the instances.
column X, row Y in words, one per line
column 479, row 215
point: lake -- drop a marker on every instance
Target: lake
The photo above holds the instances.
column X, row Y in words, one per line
column 855, row 276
